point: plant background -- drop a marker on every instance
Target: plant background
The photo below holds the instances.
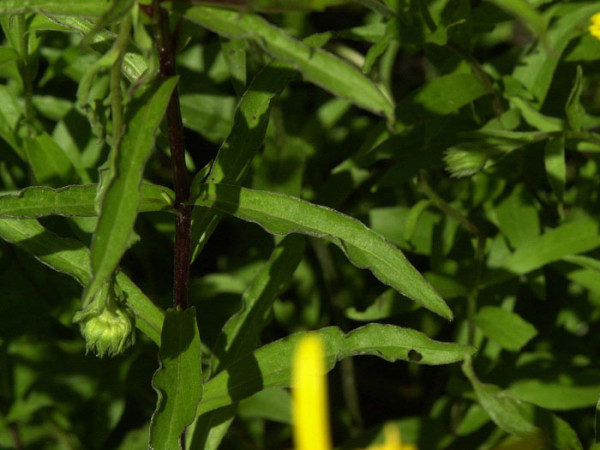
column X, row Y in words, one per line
column 485, row 174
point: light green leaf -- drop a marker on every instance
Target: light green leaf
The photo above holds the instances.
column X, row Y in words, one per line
column 282, row 214
column 566, row 393
column 574, row 108
column 121, row 200
column 74, row 201
column 524, row 11
column 518, row 218
column 209, row 429
column 77, row 8
column 567, row 239
column 318, row 66
column 241, row 333
column 536, row 70
column 556, row 166
column 10, row 114
column 520, row 418
column 178, row 381
column 48, row 161
column 209, row 115
column 72, row 258
column 274, row 5
column 245, row 140
column 271, row 365
column 506, row 328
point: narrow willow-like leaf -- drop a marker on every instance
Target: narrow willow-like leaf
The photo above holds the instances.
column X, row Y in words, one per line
column 121, row 200
column 567, row 239
column 72, row 258
column 506, row 328
column 318, row 66
column 282, row 214
column 555, row 164
column 134, row 65
column 178, row 381
column 76, row 8
column 76, row 200
column 208, row 430
column 272, row 5
column 521, row 418
column 242, row 332
column 10, row 114
column 244, row 141
column 271, row 365
column 524, row 11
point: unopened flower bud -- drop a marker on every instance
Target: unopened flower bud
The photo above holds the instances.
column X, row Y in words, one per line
column 107, row 324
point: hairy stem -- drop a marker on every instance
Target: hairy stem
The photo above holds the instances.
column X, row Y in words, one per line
column 166, row 58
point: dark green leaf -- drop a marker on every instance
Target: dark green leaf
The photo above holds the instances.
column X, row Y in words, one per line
column 121, row 199
column 178, row 381
column 317, row 65
column 74, row 201
column 271, row 365
column 281, row 214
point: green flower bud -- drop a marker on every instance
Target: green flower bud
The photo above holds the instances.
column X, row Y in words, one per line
column 106, row 323
column 462, row 162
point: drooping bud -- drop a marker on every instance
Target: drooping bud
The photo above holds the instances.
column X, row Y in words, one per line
column 106, row 323
column 462, row 162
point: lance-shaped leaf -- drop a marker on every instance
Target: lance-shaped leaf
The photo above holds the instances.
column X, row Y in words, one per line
column 241, row 333
column 121, row 200
column 76, row 8
column 317, row 65
column 244, row 141
column 273, row 5
column 178, row 381
column 72, row 258
column 521, row 418
column 271, row 365
column 76, row 200
column 282, row 214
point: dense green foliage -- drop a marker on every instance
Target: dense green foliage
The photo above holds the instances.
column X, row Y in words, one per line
column 414, row 180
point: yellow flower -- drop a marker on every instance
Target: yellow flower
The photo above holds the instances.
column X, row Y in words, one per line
column 595, row 26
column 309, row 402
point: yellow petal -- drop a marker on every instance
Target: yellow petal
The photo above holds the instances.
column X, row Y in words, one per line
column 595, row 26
column 309, row 402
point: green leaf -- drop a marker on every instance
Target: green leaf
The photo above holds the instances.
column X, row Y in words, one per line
column 574, row 108
column 274, row 5
column 506, row 328
column 209, row 115
column 76, row 8
column 440, row 97
column 241, row 333
column 245, row 140
column 536, row 70
column 209, row 429
column 520, row 418
column 10, row 114
column 562, row 392
column 518, row 218
column 567, row 239
column 178, row 381
column 74, row 201
column 524, row 11
column 121, row 200
column 48, row 161
column 281, row 214
column 318, row 66
column 556, row 166
column 271, row 365
column 72, row 258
